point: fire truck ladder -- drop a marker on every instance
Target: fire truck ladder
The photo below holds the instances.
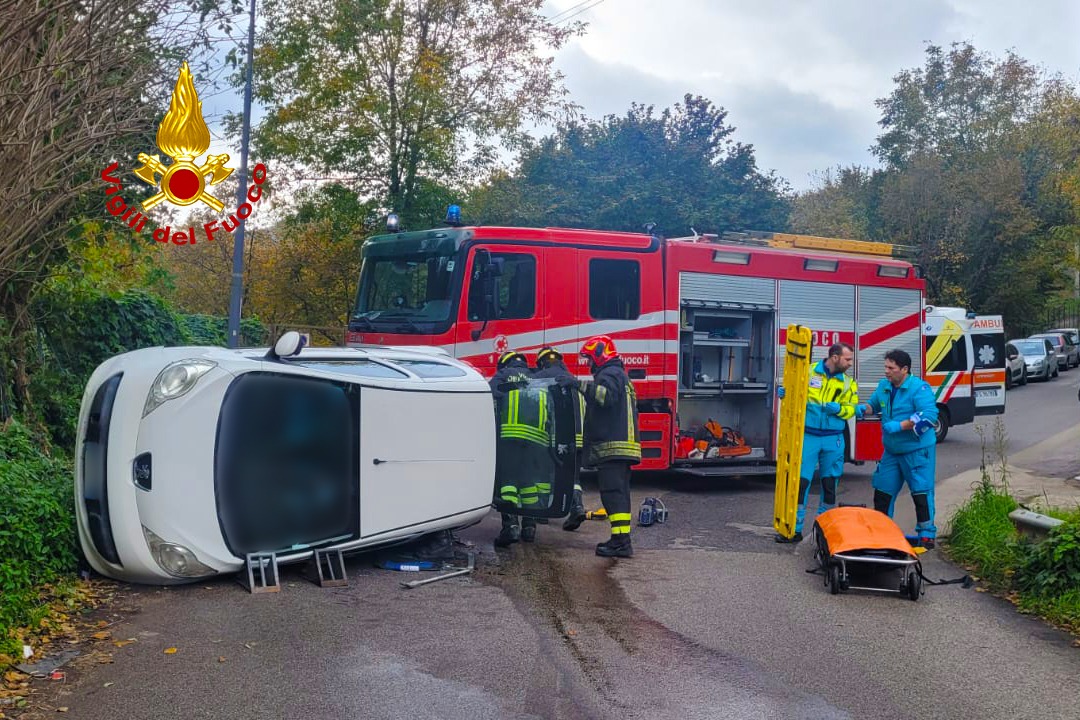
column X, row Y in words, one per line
column 812, row 242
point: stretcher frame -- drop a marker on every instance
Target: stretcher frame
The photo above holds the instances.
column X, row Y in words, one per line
column 834, row 567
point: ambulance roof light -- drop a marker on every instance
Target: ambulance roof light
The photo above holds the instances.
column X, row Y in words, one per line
column 392, row 222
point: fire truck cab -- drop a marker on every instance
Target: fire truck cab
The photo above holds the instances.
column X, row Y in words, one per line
column 700, row 321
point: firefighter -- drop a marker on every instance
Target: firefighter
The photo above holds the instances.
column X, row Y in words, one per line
column 831, row 400
column 522, row 463
column 611, row 438
column 550, row 364
column 908, row 412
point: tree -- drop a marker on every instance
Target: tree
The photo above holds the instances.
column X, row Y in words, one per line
column 960, row 103
column 680, row 169
column 81, row 83
column 844, row 204
column 388, row 92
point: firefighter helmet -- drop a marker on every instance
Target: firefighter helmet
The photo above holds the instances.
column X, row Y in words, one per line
column 507, row 357
column 599, row 349
column 547, row 356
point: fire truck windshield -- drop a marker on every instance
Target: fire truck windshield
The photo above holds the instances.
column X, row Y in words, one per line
column 409, row 292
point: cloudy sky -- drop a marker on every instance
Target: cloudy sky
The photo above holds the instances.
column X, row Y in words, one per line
column 798, row 79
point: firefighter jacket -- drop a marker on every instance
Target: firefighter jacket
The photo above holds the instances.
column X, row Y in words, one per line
column 824, row 389
column 561, row 374
column 522, row 413
column 611, row 418
column 896, row 404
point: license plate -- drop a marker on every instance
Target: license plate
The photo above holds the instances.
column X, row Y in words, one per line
column 986, row 393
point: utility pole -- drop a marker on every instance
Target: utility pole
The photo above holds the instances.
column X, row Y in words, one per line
column 238, row 239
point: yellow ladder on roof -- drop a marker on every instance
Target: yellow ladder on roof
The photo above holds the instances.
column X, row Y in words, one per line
column 813, row 242
column 792, row 423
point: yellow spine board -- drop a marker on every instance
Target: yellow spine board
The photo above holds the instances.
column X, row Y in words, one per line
column 792, row 424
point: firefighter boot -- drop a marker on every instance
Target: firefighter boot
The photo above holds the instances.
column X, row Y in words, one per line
column 577, row 513
column 528, row 529
column 618, row 546
column 510, row 532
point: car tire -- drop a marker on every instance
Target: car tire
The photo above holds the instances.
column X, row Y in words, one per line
column 941, row 427
column 1023, row 375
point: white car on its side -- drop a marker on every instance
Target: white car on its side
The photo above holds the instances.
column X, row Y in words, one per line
column 190, row 458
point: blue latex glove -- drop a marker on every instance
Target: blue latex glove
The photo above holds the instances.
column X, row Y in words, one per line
column 892, row 426
column 780, row 391
column 860, row 410
column 832, row 408
column 921, row 424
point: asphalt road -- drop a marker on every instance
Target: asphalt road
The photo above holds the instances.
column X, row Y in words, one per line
column 710, row 619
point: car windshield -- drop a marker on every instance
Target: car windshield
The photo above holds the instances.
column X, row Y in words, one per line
column 1055, row 340
column 1031, row 348
column 410, row 289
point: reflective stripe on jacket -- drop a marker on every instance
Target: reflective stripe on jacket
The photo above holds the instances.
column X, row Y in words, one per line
column 825, row 388
column 611, row 418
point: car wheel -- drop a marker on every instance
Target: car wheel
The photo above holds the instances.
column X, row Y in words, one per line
column 1008, row 379
column 1023, row 375
column 1056, row 372
column 941, row 428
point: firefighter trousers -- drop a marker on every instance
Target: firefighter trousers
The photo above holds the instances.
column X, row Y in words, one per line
column 614, row 480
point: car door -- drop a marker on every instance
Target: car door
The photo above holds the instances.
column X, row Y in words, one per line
column 503, row 308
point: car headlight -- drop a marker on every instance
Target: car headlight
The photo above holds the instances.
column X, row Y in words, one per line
column 175, row 559
column 175, row 380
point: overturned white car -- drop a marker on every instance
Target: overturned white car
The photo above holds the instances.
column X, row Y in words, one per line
column 189, row 458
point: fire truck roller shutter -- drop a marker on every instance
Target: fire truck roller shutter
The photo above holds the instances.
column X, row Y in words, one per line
column 828, row 309
column 881, row 310
column 729, row 290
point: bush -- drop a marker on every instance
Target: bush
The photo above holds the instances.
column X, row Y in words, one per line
column 983, row 536
column 1052, row 567
column 37, row 534
column 213, row 330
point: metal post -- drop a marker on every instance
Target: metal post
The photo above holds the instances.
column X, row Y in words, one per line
column 238, row 239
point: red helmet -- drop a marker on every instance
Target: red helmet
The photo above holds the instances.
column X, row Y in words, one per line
column 599, row 349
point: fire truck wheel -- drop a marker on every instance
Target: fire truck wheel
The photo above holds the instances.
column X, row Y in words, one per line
column 941, row 429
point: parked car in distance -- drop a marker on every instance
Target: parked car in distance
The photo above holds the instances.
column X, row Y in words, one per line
column 1066, row 353
column 1040, row 360
column 1072, row 337
column 189, row 458
column 1015, row 369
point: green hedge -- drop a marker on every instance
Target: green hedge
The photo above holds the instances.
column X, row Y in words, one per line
column 37, row 532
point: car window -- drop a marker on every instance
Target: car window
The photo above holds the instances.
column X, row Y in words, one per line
column 430, row 368
column 358, row 366
column 1031, row 348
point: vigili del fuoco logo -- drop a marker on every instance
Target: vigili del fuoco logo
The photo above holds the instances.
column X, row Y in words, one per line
column 184, row 137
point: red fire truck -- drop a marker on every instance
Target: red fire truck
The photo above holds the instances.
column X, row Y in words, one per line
column 700, row 321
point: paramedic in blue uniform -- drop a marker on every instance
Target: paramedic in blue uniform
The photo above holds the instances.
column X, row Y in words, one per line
column 908, row 412
column 831, row 400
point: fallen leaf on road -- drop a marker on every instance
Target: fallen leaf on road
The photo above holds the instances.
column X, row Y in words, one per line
column 170, row 651
column 123, row 643
column 103, row 635
column 571, row 633
column 109, row 684
column 61, row 709
column 221, row 658
column 980, row 589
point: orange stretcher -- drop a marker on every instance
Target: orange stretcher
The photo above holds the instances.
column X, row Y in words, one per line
column 853, row 543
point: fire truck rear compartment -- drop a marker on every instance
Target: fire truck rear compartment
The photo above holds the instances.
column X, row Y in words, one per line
column 726, row 374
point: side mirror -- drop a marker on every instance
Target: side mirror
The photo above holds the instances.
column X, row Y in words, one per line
column 287, row 345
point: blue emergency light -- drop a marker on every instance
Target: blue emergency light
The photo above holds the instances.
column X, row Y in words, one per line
column 453, row 215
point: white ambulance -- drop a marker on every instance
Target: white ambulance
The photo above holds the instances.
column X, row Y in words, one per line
column 964, row 357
